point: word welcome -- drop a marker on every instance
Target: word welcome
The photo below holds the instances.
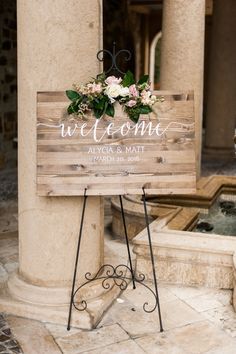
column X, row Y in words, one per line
column 138, row 129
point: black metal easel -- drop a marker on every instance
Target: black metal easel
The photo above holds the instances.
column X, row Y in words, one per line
column 107, row 272
column 117, row 274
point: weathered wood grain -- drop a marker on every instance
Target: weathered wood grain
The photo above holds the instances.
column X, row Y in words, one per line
column 116, row 164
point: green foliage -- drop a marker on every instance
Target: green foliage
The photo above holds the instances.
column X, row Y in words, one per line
column 134, row 112
column 110, row 110
column 145, row 109
column 143, row 80
column 99, row 97
column 100, row 77
column 128, row 79
column 72, row 95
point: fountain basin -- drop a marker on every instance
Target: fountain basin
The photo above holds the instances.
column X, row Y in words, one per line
column 182, row 256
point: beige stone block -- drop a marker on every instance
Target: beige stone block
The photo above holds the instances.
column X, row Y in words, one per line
column 196, row 338
column 186, row 273
column 126, row 347
column 32, row 336
column 85, row 341
column 187, row 258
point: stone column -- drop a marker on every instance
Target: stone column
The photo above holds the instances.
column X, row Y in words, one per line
column 182, row 54
column 57, row 45
column 221, row 104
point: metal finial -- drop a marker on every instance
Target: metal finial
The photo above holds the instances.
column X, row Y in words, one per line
column 113, row 56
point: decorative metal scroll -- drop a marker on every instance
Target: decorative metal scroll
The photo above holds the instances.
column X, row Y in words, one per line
column 113, row 56
column 110, row 276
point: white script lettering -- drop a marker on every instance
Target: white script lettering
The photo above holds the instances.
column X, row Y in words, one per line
column 98, row 132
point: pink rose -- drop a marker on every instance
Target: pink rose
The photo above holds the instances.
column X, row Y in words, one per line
column 110, row 80
column 133, row 91
column 131, row 103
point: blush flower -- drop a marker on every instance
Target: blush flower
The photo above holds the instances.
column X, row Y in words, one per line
column 133, row 91
column 110, row 80
column 131, row 103
column 95, row 88
column 145, row 97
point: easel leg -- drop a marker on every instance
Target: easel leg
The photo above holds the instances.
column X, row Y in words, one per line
column 152, row 259
column 77, row 258
column 127, row 242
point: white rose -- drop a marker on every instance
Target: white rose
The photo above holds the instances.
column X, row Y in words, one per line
column 110, row 80
column 113, row 91
column 124, row 91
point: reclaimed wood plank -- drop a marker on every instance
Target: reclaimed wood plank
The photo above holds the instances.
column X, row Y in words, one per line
column 110, row 158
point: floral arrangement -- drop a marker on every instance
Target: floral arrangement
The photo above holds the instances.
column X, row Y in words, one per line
column 100, row 95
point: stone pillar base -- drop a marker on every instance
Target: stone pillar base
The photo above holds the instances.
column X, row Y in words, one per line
column 52, row 304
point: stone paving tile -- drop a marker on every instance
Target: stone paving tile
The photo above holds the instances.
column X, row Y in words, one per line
column 90, row 340
column 8, row 184
column 224, row 317
column 228, row 349
column 8, row 247
column 137, row 323
column 8, row 343
column 196, row 338
column 187, row 292
column 61, row 330
column 8, row 216
column 32, row 335
column 126, row 347
column 11, row 266
column 159, row 343
column 224, row 296
column 141, row 294
column 203, row 302
column 3, row 275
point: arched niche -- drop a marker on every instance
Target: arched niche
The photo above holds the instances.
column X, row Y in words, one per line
column 155, row 60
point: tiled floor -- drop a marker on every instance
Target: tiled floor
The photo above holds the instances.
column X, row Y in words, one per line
column 196, row 320
column 8, row 343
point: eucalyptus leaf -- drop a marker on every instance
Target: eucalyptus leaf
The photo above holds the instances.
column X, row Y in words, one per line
column 134, row 117
column 143, row 79
column 72, row 95
column 100, row 77
column 73, row 108
column 128, row 79
column 145, row 110
column 97, row 113
column 110, row 111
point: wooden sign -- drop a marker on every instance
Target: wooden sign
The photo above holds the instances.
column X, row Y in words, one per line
column 111, row 156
